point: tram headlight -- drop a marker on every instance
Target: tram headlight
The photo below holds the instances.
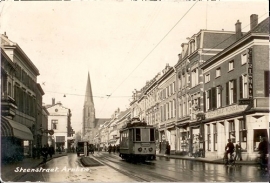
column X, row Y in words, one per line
column 140, row 149
column 150, row 149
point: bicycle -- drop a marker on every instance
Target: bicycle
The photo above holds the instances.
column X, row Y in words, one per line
column 230, row 161
column 262, row 161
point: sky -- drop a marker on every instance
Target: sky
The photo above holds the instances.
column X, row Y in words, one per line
column 121, row 44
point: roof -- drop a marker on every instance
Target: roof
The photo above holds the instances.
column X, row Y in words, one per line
column 8, row 44
column 261, row 29
column 100, row 121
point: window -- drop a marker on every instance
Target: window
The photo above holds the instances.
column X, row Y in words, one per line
column 232, row 131
column 218, row 72
column 266, row 83
column 207, row 78
column 208, row 138
column 215, row 136
column 9, row 89
column 231, row 92
column 243, row 58
column 173, row 87
column 180, row 111
column 179, row 83
column 219, row 91
column 231, row 65
column 174, row 108
column 161, row 112
column 138, row 134
column 54, row 124
column 168, row 111
column 183, row 80
column 152, row 135
column 194, row 77
column 243, row 86
column 258, row 134
column 243, row 134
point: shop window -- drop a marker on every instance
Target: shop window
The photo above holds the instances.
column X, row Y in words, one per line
column 232, row 131
column 208, row 138
column 243, row 134
column 215, row 136
column 258, row 135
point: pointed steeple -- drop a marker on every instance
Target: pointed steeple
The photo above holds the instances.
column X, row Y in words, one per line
column 88, row 94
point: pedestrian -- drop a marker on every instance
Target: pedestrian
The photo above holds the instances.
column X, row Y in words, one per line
column 44, row 153
column 168, row 149
column 229, row 148
column 34, row 152
column 51, row 151
column 238, row 149
column 110, row 148
column 114, row 148
column 196, row 148
column 263, row 148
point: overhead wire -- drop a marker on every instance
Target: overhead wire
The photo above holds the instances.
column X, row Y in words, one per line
column 154, row 47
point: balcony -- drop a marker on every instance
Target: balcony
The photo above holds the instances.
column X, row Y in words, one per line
column 8, row 106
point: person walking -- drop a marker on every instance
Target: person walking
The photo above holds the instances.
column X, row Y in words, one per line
column 51, row 151
column 34, row 155
column 44, row 153
column 110, row 148
column 229, row 148
column 238, row 149
column 263, row 149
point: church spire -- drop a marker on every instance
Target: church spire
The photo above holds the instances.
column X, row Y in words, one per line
column 88, row 94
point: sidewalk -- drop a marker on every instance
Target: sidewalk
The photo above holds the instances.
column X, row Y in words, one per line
column 206, row 159
column 7, row 170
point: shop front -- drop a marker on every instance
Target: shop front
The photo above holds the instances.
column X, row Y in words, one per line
column 16, row 140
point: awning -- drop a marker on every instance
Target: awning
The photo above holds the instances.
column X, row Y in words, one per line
column 10, row 128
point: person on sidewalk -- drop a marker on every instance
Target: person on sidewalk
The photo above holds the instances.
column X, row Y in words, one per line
column 34, row 152
column 229, row 148
column 44, row 153
column 51, row 151
column 263, row 149
column 238, row 149
column 168, row 149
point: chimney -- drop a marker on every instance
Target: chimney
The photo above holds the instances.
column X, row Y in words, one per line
column 253, row 21
column 53, row 101
column 238, row 31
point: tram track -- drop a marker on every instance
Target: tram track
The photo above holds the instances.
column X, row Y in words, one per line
column 139, row 174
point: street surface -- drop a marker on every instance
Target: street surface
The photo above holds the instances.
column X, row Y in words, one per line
column 164, row 169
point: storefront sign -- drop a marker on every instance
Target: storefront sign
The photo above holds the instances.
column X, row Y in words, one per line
column 244, row 102
column 225, row 111
column 250, row 73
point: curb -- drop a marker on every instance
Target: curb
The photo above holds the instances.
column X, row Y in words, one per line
column 90, row 162
column 207, row 161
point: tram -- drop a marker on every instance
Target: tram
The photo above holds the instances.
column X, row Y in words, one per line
column 137, row 141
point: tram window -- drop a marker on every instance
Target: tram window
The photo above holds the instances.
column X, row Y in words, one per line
column 138, row 134
column 152, row 135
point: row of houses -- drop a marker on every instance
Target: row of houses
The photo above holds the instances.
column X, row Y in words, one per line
column 25, row 122
column 217, row 90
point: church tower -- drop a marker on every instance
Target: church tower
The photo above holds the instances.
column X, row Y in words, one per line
column 88, row 113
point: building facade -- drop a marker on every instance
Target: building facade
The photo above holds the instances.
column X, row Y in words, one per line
column 18, row 101
column 236, row 90
column 59, row 120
